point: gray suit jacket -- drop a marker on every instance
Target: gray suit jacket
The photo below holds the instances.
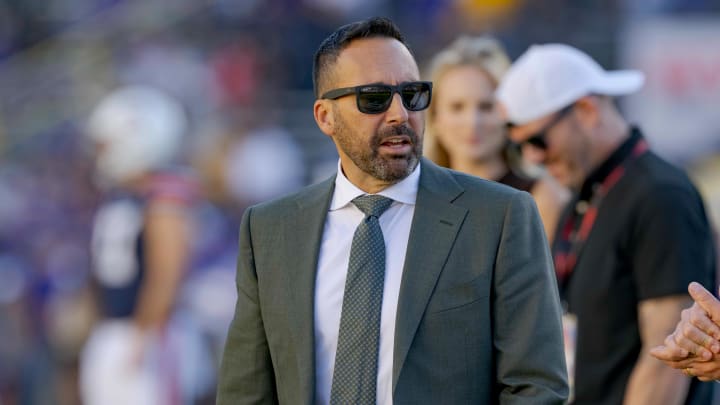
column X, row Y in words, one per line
column 478, row 317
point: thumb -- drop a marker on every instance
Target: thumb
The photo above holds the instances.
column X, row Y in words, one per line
column 705, row 299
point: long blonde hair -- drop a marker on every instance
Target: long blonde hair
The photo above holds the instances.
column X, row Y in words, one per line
column 485, row 53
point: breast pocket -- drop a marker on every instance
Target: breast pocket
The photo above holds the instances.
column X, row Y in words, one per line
column 450, row 297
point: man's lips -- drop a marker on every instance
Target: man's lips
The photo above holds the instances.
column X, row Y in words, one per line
column 396, row 145
column 395, row 141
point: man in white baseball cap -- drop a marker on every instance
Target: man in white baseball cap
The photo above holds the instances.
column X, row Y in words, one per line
column 542, row 87
column 633, row 238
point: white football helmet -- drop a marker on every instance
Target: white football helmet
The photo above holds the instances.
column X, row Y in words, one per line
column 138, row 129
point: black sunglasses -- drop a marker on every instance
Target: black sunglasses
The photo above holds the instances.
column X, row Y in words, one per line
column 539, row 138
column 376, row 98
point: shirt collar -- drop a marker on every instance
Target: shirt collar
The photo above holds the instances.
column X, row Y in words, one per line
column 404, row 191
column 614, row 160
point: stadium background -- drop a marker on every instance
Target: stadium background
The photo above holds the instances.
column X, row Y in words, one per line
column 242, row 69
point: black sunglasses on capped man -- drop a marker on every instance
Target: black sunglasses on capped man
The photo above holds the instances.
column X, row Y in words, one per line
column 376, row 98
column 539, row 138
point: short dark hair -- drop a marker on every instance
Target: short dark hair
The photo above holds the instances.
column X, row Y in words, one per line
column 330, row 48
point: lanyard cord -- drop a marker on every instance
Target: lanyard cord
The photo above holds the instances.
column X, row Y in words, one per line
column 573, row 237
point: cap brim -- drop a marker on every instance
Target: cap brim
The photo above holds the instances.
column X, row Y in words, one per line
column 619, row 83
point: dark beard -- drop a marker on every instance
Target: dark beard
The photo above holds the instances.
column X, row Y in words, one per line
column 393, row 168
column 388, row 168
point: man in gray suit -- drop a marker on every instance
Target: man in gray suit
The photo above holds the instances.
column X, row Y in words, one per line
column 465, row 309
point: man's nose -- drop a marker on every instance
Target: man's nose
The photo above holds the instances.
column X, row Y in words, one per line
column 396, row 113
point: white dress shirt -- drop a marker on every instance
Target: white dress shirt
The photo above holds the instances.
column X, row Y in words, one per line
column 342, row 219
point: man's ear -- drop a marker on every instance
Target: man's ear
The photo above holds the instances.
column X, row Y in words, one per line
column 323, row 112
column 588, row 111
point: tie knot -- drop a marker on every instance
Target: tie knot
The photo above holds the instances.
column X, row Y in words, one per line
column 372, row 204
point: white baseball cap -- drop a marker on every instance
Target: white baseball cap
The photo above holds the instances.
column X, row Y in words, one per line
column 548, row 77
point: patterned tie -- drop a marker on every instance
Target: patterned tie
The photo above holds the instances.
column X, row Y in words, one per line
column 355, row 376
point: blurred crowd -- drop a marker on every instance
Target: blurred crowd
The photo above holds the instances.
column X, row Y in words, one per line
column 241, row 70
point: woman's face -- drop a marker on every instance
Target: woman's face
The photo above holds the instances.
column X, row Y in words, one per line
column 467, row 124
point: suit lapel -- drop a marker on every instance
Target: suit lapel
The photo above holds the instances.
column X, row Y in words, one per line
column 304, row 234
column 434, row 227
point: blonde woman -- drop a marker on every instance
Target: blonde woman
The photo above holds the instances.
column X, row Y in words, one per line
column 465, row 131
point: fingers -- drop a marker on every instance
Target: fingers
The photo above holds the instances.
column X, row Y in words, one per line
column 699, row 318
column 691, row 362
column 687, row 336
column 697, row 327
column 669, row 352
column 691, row 366
column 705, row 299
column 704, row 371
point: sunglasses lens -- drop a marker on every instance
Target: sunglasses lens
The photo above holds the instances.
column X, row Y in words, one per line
column 374, row 99
column 416, row 96
column 537, row 141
